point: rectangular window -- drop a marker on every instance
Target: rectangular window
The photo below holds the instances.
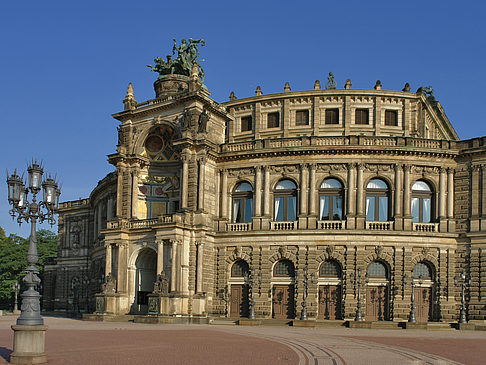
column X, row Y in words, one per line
column 273, row 120
column 337, row 208
column 391, row 118
column 383, row 209
column 302, row 117
column 370, row 208
column 361, row 116
column 324, row 208
column 332, row 116
column 246, row 123
column 415, row 210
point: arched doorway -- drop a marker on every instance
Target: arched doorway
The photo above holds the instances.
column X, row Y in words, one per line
column 377, row 292
column 423, row 280
column 145, row 276
column 330, row 275
column 239, row 303
column 283, row 300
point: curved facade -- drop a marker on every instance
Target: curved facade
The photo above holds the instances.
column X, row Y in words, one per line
column 275, row 203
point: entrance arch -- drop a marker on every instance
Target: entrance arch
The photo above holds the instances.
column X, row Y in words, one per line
column 239, row 301
column 283, row 300
column 423, row 279
column 145, row 276
column 377, row 293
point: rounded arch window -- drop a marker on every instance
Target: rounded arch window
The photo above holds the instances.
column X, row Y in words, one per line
column 421, row 202
column 377, row 270
column 239, row 269
column 377, row 196
column 284, row 268
column 422, row 271
column 330, row 269
column 242, row 202
column 285, row 201
column 331, row 194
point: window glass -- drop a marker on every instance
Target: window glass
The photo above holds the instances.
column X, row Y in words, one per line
column 248, row 209
column 370, row 208
column 383, row 209
column 421, row 185
column 284, row 268
column 324, row 208
column 330, row 268
column 302, row 117
column 272, row 120
column 377, row 184
column 239, row 269
column 285, row 184
column 337, row 209
column 362, row 116
column 415, row 209
column 426, row 210
column 391, row 117
column 292, row 209
column 244, row 186
column 331, row 184
column 377, row 270
column 246, row 123
column 332, row 116
column 279, row 208
column 421, row 270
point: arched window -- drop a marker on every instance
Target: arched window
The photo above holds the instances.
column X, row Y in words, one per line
column 330, row 269
column 377, row 194
column 242, row 203
column 331, row 200
column 377, row 270
column 239, row 269
column 284, row 268
column 422, row 271
column 285, row 201
column 421, row 202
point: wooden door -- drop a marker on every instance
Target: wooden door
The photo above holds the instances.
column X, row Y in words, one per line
column 330, row 302
column 376, row 303
column 423, row 302
column 283, row 302
column 239, row 301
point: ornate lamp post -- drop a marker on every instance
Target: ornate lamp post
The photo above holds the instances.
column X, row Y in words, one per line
column 463, row 284
column 32, row 212
column 16, row 288
column 250, row 281
column 411, row 316
column 303, row 315
column 357, row 282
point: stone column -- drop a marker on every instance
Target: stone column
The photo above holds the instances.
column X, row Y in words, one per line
column 475, row 197
column 258, row 191
column 224, row 194
column 351, row 196
column 108, row 259
column 199, row 272
column 442, row 200
column 121, row 282
column 95, row 224
column 266, row 195
column 120, row 166
column 135, row 172
column 173, row 274
column 398, row 198
column 361, row 217
column 312, row 190
column 450, row 199
column 303, row 189
column 185, row 182
column 407, row 218
column 109, row 209
column 200, row 185
column 160, row 256
column 100, row 217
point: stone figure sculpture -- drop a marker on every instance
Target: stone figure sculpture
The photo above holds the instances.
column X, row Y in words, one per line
column 187, row 57
column 161, row 286
column 331, row 84
column 109, row 286
column 427, row 90
column 203, row 121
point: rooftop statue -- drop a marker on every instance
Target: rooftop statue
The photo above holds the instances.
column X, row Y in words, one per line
column 331, row 84
column 427, row 90
column 187, row 57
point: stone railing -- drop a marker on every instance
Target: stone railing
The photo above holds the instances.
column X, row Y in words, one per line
column 238, row 227
column 139, row 223
column 315, row 141
column 425, row 227
column 283, row 226
column 330, row 224
column 73, row 203
column 379, row 226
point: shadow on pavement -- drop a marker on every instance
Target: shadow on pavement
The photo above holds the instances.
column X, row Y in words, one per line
column 5, row 353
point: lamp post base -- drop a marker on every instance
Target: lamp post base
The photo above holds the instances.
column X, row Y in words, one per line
column 28, row 347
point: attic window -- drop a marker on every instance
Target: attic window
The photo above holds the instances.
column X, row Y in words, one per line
column 391, row 118
column 246, row 123
column 272, row 120
column 302, row 117
column 362, row 116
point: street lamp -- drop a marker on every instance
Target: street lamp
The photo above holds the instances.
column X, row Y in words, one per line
column 411, row 316
column 357, row 282
column 463, row 284
column 303, row 315
column 250, row 281
column 29, row 332
column 27, row 211
column 16, row 288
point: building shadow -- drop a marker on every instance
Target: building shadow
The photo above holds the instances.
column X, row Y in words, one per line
column 5, row 353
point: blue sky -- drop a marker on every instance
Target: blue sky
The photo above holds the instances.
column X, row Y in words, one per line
column 65, row 66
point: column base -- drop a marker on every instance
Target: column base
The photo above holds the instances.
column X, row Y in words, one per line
column 29, row 342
